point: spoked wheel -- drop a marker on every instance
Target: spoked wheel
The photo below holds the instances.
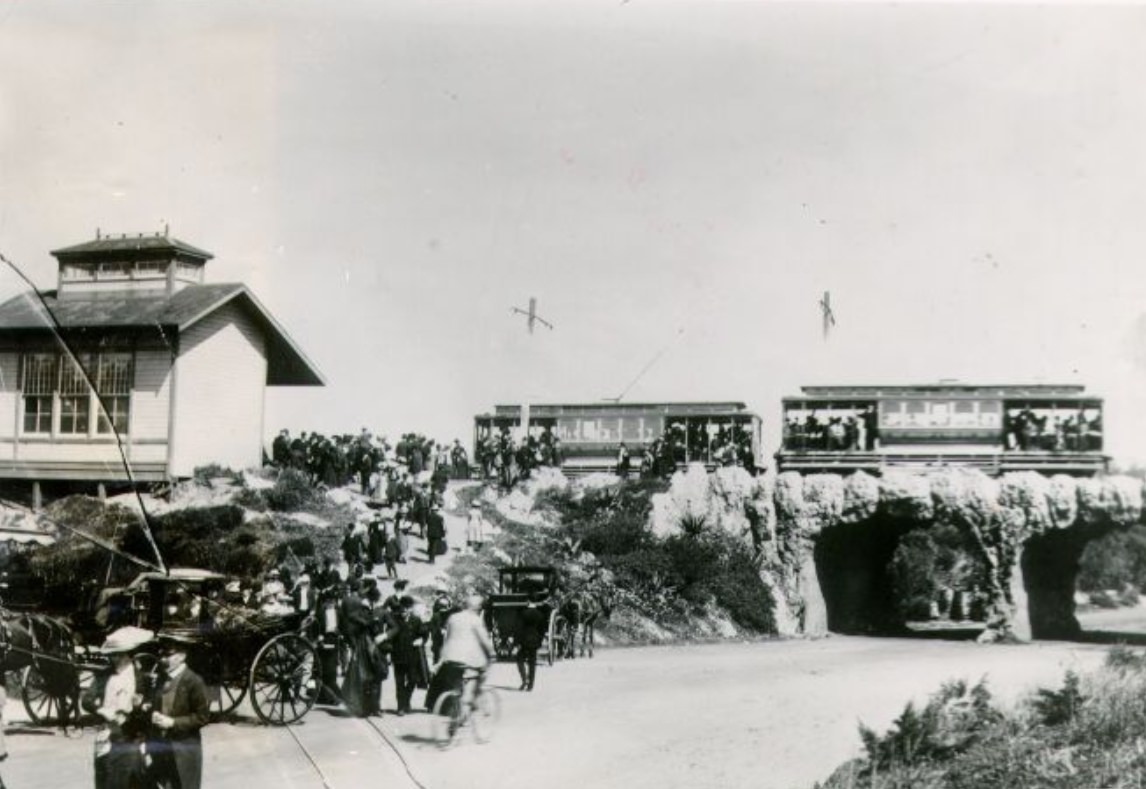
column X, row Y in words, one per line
column 558, row 637
column 284, row 679
column 224, row 692
column 486, row 714
column 447, row 718
column 224, row 699
column 44, row 708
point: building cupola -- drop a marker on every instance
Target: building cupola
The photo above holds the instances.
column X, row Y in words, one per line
column 117, row 263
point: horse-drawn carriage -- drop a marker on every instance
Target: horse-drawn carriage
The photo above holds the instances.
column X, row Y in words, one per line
column 517, row 586
column 234, row 649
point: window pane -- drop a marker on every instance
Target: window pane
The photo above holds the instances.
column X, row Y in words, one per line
column 72, row 379
column 39, row 373
column 74, row 414
column 38, row 414
column 114, row 377
column 116, row 409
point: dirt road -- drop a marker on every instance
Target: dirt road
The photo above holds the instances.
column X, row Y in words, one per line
column 768, row 715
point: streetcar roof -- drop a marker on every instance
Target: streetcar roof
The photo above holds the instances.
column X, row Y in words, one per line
column 955, row 391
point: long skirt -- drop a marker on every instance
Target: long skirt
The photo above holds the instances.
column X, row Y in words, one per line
column 361, row 686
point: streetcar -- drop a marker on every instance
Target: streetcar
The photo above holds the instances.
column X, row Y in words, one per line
column 1054, row 428
column 590, row 434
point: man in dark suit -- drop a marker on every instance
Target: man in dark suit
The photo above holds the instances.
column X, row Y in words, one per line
column 435, row 533
column 406, row 640
column 180, row 711
column 532, row 625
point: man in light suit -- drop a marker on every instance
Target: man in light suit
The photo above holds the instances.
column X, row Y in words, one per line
column 180, row 711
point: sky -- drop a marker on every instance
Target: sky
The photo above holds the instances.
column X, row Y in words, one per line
column 676, row 183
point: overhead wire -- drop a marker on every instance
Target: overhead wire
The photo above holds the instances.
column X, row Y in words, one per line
column 58, row 330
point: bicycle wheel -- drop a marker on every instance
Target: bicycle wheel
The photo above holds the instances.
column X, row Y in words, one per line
column 485, row 715
column 447, row 718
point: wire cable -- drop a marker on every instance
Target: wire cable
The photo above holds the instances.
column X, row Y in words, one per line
column 58, row 331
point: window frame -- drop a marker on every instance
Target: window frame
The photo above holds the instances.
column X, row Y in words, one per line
column 66, row 404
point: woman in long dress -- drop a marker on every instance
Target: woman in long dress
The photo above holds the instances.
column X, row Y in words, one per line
column 361, row 684
column 475, row 529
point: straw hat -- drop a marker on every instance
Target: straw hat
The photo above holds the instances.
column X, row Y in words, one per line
column 125, row 640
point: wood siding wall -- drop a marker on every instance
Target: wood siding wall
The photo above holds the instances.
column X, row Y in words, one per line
column 151, row 396
column 73, row 457
column 219, row 384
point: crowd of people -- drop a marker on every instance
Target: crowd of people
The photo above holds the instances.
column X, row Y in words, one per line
column 855, row 431
column 366, row 458
column 1048, row 430
column 503, row 458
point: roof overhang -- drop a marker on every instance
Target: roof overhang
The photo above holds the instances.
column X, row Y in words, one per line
column 287, row 365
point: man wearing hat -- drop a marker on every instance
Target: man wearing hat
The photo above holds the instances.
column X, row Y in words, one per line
column 435, row 534
column 406, row 640
column 531, row 632
column 440, row 611
column 180, row 711
column 118, row 763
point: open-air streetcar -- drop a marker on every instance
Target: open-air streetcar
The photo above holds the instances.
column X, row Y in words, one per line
column 234, row 649
column 516, row 587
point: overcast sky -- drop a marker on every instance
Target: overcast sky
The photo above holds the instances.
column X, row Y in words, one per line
column 681, row 179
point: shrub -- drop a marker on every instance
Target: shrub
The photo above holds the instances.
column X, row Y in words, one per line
column 928, row 560
column 204, row 474
column 1114, row 560
column 953, row 719
column 1055, row 707
column 292, row 491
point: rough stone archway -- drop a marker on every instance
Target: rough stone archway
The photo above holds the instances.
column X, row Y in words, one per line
column 1029, row 529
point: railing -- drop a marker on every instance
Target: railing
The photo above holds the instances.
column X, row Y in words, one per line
column 992, row 463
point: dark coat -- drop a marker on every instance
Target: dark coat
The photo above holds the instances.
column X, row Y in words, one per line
column 435, row 526
column 177, row 753
column 533, row 624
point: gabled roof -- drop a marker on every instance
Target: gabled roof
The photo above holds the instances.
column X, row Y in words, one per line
column 287, row 365
column 138, row 243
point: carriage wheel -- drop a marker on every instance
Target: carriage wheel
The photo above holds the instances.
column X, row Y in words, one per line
column 284, row 679
column 447, row 718
column 224, row 693
column 558, row 637
column 225, row 699
column 42, row 707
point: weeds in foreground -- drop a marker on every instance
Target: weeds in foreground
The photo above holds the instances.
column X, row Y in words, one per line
column 1089, row 732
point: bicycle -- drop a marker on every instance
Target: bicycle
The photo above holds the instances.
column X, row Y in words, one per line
column 474, row 706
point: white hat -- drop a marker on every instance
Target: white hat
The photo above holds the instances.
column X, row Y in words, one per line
column 126, row 639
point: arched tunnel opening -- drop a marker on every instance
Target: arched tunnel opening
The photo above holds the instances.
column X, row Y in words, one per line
column 881, row 574
column 851, row 564
column 1050, row 565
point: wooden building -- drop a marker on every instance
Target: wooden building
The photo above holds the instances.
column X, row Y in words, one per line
column 136, row 356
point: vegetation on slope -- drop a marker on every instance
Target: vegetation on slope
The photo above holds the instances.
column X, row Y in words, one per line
column 1089, row 732
column 663, row 587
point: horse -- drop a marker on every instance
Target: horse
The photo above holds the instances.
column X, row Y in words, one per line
column 44, row 648
column 581, row 609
